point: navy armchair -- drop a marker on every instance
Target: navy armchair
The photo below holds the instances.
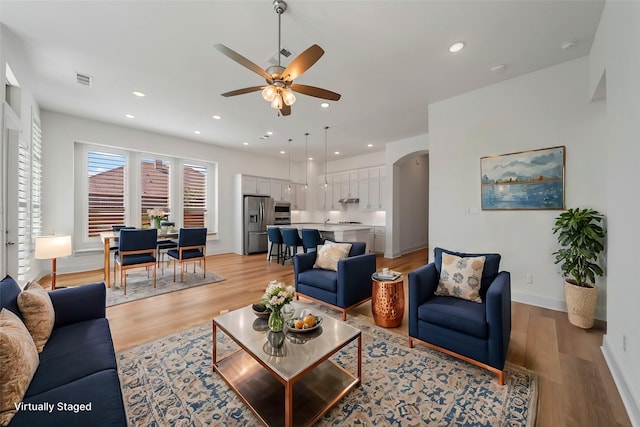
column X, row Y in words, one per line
column 477, row 333
column 343, row 289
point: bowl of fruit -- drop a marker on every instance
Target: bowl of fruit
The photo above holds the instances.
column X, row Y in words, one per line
column 304, row 323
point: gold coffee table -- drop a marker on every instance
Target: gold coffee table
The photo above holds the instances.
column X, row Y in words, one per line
column 387, row 301
column 286, row 382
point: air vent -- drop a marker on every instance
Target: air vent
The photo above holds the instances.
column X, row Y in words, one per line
column 84, row 79
column 284, row 59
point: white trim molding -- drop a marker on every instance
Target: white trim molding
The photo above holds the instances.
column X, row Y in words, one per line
column 630, row 403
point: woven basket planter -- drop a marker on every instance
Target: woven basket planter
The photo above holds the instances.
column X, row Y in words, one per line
column 581, row 304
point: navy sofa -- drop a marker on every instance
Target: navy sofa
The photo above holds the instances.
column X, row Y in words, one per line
column 78, row 363
column 475, row 332
column 345, row 288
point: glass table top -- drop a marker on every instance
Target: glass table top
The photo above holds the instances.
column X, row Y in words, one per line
column 288, row 353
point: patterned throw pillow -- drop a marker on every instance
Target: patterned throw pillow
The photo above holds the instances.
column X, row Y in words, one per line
column 37, row 311
column 461, row 277
column 18, row 361
column 330, row 253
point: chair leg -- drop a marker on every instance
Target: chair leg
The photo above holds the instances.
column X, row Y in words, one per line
column 155, row 275
column 123, row 280
column 204, row 268
column 174, row 269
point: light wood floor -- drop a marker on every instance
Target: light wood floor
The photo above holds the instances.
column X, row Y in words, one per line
column 576, row 387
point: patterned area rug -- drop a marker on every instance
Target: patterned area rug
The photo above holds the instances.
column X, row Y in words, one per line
column 170, row 382
column 140, row 286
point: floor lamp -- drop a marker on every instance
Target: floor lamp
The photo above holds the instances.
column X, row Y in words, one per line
column 52, row 247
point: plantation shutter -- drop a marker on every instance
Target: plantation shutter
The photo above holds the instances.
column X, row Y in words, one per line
column 195, row 195
column 36, row 180
column 106, row 191
column 155, row 193
column 24, row 213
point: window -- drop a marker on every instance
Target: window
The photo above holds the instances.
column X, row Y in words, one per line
column 24, row 211
column 106, row 191
column 194, row 195
column 117, row 186
column 155, row 189
column 36, row 180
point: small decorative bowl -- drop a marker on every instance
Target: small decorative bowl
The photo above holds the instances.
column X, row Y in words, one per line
column 261, row 310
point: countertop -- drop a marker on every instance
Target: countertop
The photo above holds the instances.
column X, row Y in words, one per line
column 333, row 226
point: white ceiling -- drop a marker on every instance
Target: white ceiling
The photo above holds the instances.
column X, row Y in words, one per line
column 388, row 59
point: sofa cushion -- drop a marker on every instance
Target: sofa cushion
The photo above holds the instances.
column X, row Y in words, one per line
column 37, row 313
column 18, row 362
column 457, row 314
column 490, row 271
column 319, row 278
column 460, row 277
column 82, row 348
column 330, row 253
column 9, row 291
column 101, row 390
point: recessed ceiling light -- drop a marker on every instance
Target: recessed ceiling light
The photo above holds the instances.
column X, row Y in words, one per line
column 138, row 93
column 498, row 68
column 456, row 47
column 310, row 158
column 269, row 133
column 217, row 117
column 245, row 143
column 130, row 116
column 197, row 132
column 282, row 151
column 369, row 145
column 325, row 105
column 336, row 152
column 568, row 44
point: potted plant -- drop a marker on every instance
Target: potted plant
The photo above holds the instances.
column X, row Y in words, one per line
column 581, row 238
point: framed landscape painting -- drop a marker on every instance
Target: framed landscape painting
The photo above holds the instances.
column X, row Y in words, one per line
column 525, row 180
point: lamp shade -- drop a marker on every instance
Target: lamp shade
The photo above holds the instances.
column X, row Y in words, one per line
column 49, row 247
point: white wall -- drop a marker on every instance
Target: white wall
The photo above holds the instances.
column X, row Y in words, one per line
column 546, row 108
column 615, row 51
column 62, row 131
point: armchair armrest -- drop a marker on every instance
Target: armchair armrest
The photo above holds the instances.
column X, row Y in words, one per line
column 498, row 306
column 301, row 263
column 422, row 284
column 354, row 279
column 78, row 304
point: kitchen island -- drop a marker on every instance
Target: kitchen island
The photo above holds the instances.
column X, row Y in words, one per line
column 339, row 232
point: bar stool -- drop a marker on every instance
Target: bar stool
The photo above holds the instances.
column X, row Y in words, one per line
column 291, row 241
column 275, row 237
column 311, row 238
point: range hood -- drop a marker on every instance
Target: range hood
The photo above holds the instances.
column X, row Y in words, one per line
column 349, row 200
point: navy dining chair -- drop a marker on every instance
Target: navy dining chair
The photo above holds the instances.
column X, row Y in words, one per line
column 136, row 248
column 192, row 247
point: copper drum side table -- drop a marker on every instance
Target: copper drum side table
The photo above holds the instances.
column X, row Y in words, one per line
column 387, row 302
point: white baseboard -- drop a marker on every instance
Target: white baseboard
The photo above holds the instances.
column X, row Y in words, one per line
column 551, row 303
column 631, row 404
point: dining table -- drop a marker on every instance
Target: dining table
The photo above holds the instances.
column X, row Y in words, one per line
column 107, row 236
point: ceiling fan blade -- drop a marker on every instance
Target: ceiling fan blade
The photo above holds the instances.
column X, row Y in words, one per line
column 316, row 91
column 243, row 61
column 243, row 91
column 285, row 110
column 302, row 62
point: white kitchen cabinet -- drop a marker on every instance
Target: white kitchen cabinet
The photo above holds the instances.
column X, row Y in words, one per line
column 255, row 185
column 298, row 197
column 379, row 239
column 324, row 196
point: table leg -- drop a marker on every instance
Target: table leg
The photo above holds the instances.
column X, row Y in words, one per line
column 215, row 340
column 107, row 245
column 288, row 404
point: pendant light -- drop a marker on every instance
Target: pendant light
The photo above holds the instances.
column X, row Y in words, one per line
column 289, row 184
column 326, row 184
column 306, row 161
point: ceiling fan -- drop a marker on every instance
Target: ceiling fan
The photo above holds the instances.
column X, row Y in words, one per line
column 280, row 86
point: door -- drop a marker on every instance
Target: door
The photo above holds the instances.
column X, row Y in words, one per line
column 9, row 195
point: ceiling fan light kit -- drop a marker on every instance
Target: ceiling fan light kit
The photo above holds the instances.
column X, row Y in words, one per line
column 280, row 88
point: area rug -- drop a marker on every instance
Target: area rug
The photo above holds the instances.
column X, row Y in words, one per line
column 170, row 382
column 140, row 286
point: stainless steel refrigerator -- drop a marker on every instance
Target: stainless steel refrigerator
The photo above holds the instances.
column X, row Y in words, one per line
column 258, row 213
